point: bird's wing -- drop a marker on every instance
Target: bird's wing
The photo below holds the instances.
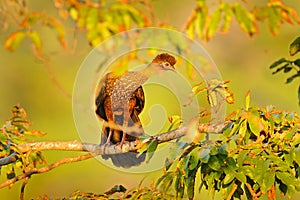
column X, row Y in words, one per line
column 140, row 100
column 100, row 111
column 138, row 108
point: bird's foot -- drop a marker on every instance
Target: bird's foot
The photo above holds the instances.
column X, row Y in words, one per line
column 107, row 142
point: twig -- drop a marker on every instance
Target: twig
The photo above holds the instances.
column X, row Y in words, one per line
column 252, row 192
column 234, row 187
column 9, row 159
column 23, row 188
column 45, row 169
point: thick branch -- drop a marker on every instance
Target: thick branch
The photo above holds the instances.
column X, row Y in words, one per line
column 103, row 149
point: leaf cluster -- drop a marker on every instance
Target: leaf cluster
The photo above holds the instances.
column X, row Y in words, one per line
column 288, row 66
column 257, row 154
column 206, row 22
column 17, row 131
column 102, row 19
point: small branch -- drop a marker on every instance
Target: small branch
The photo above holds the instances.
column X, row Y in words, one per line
column 45, row 169
column 9, row 159
column 234, row 187
column 254, row 195
column 23, row 188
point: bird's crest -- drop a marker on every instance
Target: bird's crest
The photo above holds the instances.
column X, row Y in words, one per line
column 164, row 57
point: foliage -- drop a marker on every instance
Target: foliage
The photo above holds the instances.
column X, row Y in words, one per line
column 288, row 66
column 102, row 19
column 16, row 131
column 257, row 154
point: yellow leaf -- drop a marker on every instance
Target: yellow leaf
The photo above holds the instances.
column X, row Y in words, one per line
column 14, row 40
column 36, row 40
column 247, row 105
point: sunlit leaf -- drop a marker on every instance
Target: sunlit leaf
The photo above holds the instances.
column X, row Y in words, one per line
column 14, row 40
column 36, row 40
column 214, row 23
column 245, row 19
column 92, row 18
column 268, row 181
column 295, row 46
column 151, row 149
column 214, row 163
column 54, row 23
column 299, row 95
column 228, row 178
column 247, row 103
column 200, row 20
column 204, row 155
column 255, row 124
column 228, row 14
column 74, row 13
column 241, row 177
column 274, row 19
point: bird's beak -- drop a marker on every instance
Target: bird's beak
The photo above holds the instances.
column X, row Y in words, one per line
column 172, row 68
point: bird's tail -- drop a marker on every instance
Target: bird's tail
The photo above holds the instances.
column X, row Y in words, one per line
column 125, row 160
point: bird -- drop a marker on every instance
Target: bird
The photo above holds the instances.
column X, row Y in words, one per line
column 119, row 101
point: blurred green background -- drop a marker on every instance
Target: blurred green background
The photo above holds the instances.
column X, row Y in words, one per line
column 241, row 59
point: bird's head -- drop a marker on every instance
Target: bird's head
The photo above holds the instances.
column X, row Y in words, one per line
column 164, row 62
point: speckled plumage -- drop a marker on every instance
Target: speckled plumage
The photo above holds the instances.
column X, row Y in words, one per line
column 120, row 101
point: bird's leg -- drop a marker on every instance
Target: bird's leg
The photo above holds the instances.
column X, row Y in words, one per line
column 109, row 134
column 125, row 125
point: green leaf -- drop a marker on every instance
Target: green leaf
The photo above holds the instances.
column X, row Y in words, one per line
column 297, row 63
column 268, row 181
column 299, row 95
column 247, row 104
column 214, row 23
column 245, row 19
column 274, row 19
column 241, row 157
column 248, row 171
column 291, row 133
column 285, row 177
column 295, row 46
column 214, row 163
column 200, row 20
column 14, row 40
column 261, row 167
column 204, row 155
column 290, row 79
column 179, row 186
column 287, row 69
column 281, row 68
column 288, row 180
column 241, row 176
column 278, row 62
column 255, row 124
column 194, row 160
column 151, row 149
column 243, row 129
column 228, row 178
column 227, row 17
column 36, row 40
column 92, row 18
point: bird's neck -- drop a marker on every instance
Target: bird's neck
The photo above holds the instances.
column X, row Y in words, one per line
column 150, row 70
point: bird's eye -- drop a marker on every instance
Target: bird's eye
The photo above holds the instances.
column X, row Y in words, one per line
column 166, row 64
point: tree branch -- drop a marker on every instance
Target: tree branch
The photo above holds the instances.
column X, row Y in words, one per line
column 45, row 169
column 96, row 149
column 9, row 159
